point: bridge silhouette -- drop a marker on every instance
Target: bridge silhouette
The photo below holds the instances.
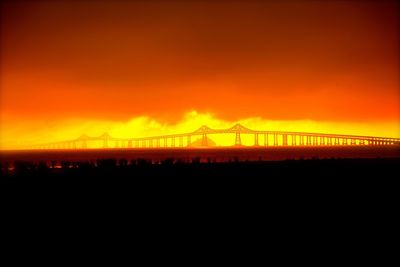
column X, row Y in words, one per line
column 261, row 138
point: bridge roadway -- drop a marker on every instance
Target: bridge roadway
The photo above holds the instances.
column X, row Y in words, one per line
column 184, row 140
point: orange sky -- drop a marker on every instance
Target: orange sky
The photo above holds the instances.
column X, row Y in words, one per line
column 333, row 61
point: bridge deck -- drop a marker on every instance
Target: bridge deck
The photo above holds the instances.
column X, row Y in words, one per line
column 261, row 138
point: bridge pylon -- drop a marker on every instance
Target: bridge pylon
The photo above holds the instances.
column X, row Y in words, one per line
column 238, row 141
column 256, row 139
column 204, row 141
column 278, row 138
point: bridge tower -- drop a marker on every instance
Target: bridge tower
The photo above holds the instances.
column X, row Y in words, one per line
column 180, row 141
column 275, row 139
column 238, row 141
column 105, row 137
column 284, row 140
column 204, row 140
column 256, row 139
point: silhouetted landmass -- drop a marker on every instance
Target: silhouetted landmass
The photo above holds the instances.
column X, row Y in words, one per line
column 218, row 154
column 202, row 175
column 111, row 170
column 289, row 189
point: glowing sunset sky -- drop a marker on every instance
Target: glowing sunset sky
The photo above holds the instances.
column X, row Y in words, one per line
column 74, row 67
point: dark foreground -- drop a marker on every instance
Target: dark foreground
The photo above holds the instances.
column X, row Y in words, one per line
column 124, row 171
column 260, row 188
column 244, row 173
column 221, row 154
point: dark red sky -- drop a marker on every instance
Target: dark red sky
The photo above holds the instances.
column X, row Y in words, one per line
column 319, row 60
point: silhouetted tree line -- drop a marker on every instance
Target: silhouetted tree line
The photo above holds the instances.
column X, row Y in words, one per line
column 122, row 169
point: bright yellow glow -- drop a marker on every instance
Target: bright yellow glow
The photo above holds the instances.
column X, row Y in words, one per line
column 39, row 132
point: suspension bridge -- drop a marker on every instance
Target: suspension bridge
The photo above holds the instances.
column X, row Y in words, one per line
column 261, row 138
